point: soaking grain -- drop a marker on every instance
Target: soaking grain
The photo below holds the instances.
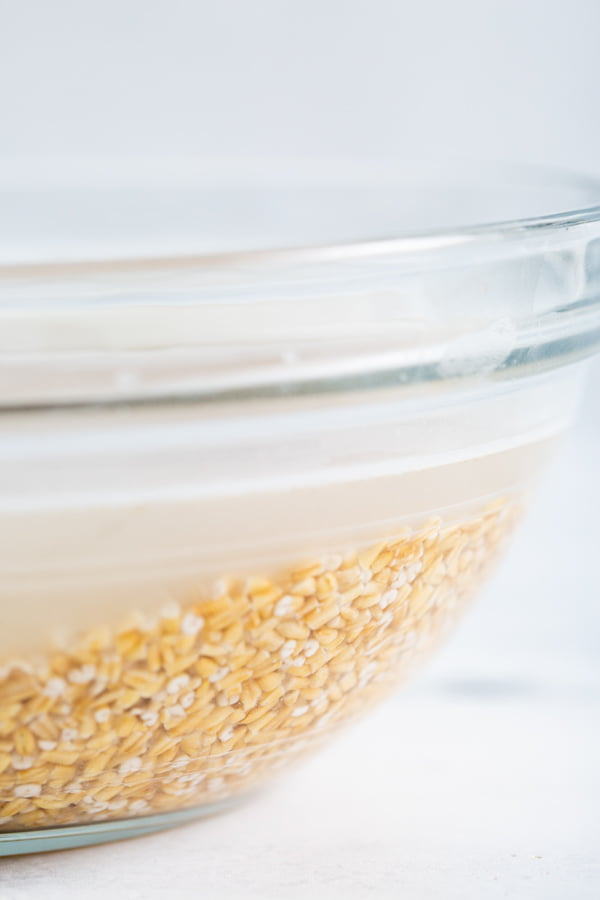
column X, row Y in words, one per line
column 200, row 704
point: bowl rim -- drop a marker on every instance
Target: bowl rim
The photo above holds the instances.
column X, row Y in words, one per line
column 86, row 330
column 148, row 175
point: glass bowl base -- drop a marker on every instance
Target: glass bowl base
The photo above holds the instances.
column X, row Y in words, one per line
column 42, row 840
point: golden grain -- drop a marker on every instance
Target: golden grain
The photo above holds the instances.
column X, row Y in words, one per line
column 204, row 701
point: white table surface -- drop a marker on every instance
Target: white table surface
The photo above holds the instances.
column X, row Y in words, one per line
column 480, row 780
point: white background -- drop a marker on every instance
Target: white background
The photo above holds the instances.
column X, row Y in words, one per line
column 507, row 79
column 481, row 779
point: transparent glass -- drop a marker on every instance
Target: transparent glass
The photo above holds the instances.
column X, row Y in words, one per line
column 247, row 483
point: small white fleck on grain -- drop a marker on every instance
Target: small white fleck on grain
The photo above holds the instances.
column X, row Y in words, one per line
column 21, row 763
column 388, row 598
column 83, row 675
column 130, row 765
column 47, row 745
column 413, row 570
column 226, row 734
column 187, row 700
column 366, row 576
column 170, row 610
column 73, row 787
column 178, row 683
column 197, row 778
column 220, row 673
column 54, row 687
column 287, row 649
column 311, row 647
column 284, row 606
column 399, row 579
column 192, row 624
column 332, row 563
column 27, row 790
column 299, row 711
column 102, row 715
column 320, row 700
column 149, row 717
column 98, row 807
column 98, row 686
column 323, row 721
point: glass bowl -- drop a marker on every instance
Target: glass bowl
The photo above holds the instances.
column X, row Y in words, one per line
column 262, row 436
